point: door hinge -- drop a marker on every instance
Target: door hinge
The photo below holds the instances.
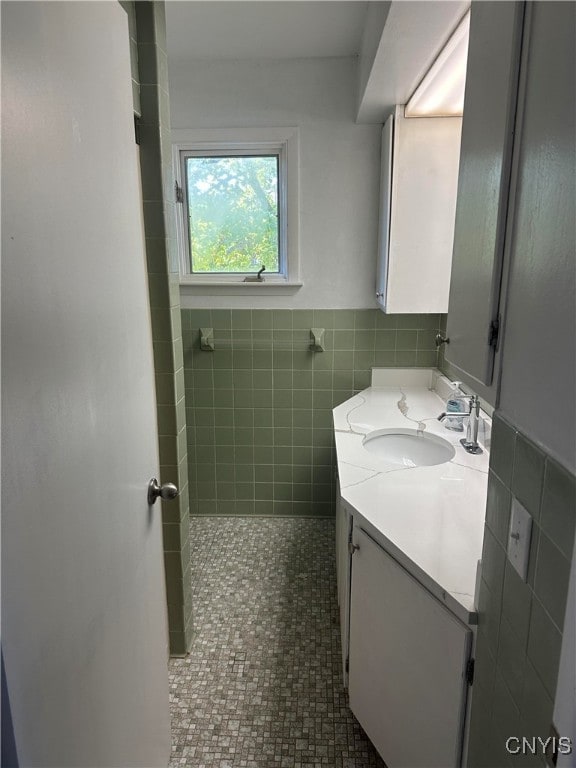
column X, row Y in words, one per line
column 347, row 665
column 178, row 192
column 352, row 547
column 137, row 129
column 470, row 671
column 493, row 333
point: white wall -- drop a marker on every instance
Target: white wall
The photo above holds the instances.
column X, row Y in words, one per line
column 339, row 165
column 538, row 382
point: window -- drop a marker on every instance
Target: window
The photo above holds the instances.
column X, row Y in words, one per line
column 231, row 210
column 239, row 210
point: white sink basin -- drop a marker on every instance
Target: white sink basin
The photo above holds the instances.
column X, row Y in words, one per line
column 408, row 447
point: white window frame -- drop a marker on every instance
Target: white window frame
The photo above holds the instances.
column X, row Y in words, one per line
column 244, row 141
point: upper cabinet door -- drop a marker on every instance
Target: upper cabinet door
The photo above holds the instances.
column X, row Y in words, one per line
column 483, row 188
column 384, row 217
column 417, row 209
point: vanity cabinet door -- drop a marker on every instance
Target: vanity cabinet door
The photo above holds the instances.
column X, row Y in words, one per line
column 408, row 656
column 483, row 190
column 343, row 536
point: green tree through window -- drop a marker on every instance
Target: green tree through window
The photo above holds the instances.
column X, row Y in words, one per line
column 233, row 213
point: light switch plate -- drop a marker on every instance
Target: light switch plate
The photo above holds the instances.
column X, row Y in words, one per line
column 519, row 538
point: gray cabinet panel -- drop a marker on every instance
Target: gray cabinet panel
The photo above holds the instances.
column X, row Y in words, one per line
column 483, row 188
column 538, row 381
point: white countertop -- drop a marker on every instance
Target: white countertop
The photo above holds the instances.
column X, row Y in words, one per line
column 430, row 518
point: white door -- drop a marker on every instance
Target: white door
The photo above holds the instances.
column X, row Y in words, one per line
column 408, row 656
column 84, row 633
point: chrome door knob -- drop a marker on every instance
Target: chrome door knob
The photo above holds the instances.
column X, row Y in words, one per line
column 166, row 492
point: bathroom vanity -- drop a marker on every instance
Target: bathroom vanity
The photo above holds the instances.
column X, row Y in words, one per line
column 409, row 536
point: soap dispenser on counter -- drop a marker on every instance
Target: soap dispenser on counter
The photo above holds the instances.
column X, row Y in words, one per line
column 454, row 404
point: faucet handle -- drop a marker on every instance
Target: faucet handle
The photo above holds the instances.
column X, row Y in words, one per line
column 474, row 402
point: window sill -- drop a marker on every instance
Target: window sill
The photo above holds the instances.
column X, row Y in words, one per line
column 193, row 287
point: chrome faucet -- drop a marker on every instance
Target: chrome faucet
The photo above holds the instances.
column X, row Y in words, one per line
column 470, row 442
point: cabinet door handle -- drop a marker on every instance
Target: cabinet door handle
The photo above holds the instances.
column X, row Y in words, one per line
column 439, row 340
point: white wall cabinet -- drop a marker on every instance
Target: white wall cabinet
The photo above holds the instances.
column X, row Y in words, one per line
column 419, row 178
column 482, row 221
column 408, row 660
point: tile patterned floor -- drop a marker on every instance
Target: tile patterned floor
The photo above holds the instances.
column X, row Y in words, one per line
column 262, row 687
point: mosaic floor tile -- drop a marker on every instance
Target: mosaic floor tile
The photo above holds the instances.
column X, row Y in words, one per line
column 262, row 686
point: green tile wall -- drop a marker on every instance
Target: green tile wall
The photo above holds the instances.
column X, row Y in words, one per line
column 520, row 624
column 147, row 22
column 258, row 408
